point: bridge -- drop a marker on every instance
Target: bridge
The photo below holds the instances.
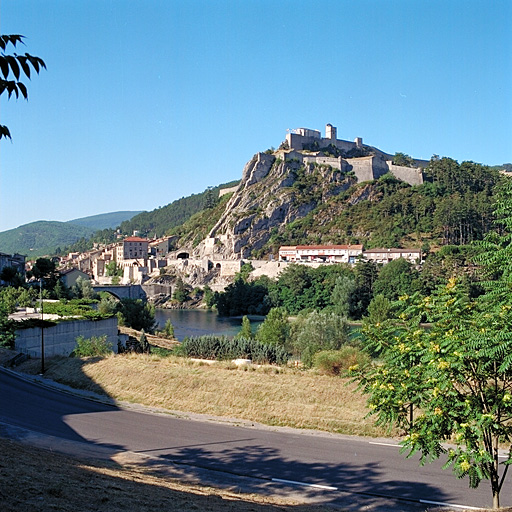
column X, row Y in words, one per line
column 122, row 291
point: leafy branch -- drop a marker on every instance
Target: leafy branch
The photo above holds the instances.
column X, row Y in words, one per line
column 12, row 67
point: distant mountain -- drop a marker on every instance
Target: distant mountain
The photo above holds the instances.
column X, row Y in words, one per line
column 45, row 237
column 104, row 220
column 41, row 237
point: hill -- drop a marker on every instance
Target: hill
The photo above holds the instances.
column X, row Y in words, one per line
column 161, row 221
column 41, row 237
column 47, row 237
column 288, row 201
column 104, row 220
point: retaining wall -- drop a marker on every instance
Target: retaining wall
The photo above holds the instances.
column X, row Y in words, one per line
column 61, row 339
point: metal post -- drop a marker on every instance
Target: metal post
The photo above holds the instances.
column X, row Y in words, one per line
column 42, row 325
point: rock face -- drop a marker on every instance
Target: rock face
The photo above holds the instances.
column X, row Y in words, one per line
column 271, row 194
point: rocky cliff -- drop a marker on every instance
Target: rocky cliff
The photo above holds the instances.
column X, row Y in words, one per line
column 271, row 194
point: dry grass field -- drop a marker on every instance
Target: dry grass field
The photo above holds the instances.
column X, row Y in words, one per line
column 269, row 395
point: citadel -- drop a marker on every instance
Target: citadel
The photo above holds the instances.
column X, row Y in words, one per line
column 366, row 162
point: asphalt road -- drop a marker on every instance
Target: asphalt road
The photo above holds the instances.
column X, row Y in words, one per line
column 320, row 463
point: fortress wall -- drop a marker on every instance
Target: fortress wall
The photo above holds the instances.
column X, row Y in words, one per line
column 323, row 160
column 225, row 191
column 229, row 268
column 407, row 174
column 362, row 168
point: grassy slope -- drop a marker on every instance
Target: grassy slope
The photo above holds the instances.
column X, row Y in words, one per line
column 269, row 395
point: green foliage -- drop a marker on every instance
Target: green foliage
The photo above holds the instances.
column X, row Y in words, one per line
column 167, row 331
column 143, row 342
column 379, row 309
column 275, row 329
column 73, row 308
column 83, row 289
column 398, row 277
column 113, row 270
column 300, row 287
column 41, row 237
column 343, row 295
column 316, row 331
column 107, row 305
column 95, row 346
column 453, row 206
column 45, row 269
column 208, row 297
column 403, row 159
column 223, row 348
column 12, row 277
column 137, row 314
column 12, row 298
column 7, row 330
column 181, row 292
column 338, row 362
column 242, row 298
column 246, row 330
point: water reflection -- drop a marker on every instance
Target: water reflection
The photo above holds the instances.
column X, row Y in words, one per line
column 196, row 322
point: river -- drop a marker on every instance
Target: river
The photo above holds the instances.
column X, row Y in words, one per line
column 197, row 322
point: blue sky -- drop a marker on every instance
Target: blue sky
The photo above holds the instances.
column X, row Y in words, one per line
column 146, row 102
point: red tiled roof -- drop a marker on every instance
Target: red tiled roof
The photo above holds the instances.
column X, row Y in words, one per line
column 135, row 239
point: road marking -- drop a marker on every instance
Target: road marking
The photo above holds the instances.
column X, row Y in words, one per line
column 440, row 503
column 385, row 444
column 304, row 484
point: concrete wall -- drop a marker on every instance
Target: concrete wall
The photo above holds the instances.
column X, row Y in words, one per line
column 61, row 338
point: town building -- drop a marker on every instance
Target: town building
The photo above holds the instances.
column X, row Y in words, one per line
column 383, row 255
column 14, row 261
column 321, row 253
column 70, row 276
column 132, row 248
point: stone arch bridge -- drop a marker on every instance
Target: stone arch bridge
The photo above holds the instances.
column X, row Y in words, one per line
column 122, row 291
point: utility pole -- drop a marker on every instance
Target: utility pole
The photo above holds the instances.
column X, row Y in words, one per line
column 42, row 324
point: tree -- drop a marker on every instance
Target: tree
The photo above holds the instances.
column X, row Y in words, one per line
column 45, row 269
column 275, row 329
column 246, row 330
column 396, row 278
column 12, row 67
column 136, row 314
column 7, row 329
column 318, row 331
column 83, row 289
column 452, row 381
column 379, row 309
column 342, row 295
column 169, row 329
column 11, row 276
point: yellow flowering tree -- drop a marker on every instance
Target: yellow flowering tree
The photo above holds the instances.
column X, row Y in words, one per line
column 449, row 381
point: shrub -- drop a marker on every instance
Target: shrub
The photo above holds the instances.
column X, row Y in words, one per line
column 94, row 346
column 336, row 362
column 223, row 348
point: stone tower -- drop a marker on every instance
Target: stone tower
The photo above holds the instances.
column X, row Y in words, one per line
column 330, row 132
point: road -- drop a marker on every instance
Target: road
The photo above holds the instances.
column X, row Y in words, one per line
column 317, row 463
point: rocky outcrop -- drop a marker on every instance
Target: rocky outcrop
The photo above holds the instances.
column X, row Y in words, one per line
column 271, row 194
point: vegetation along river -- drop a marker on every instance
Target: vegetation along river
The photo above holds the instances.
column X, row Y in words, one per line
column 196, row 322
